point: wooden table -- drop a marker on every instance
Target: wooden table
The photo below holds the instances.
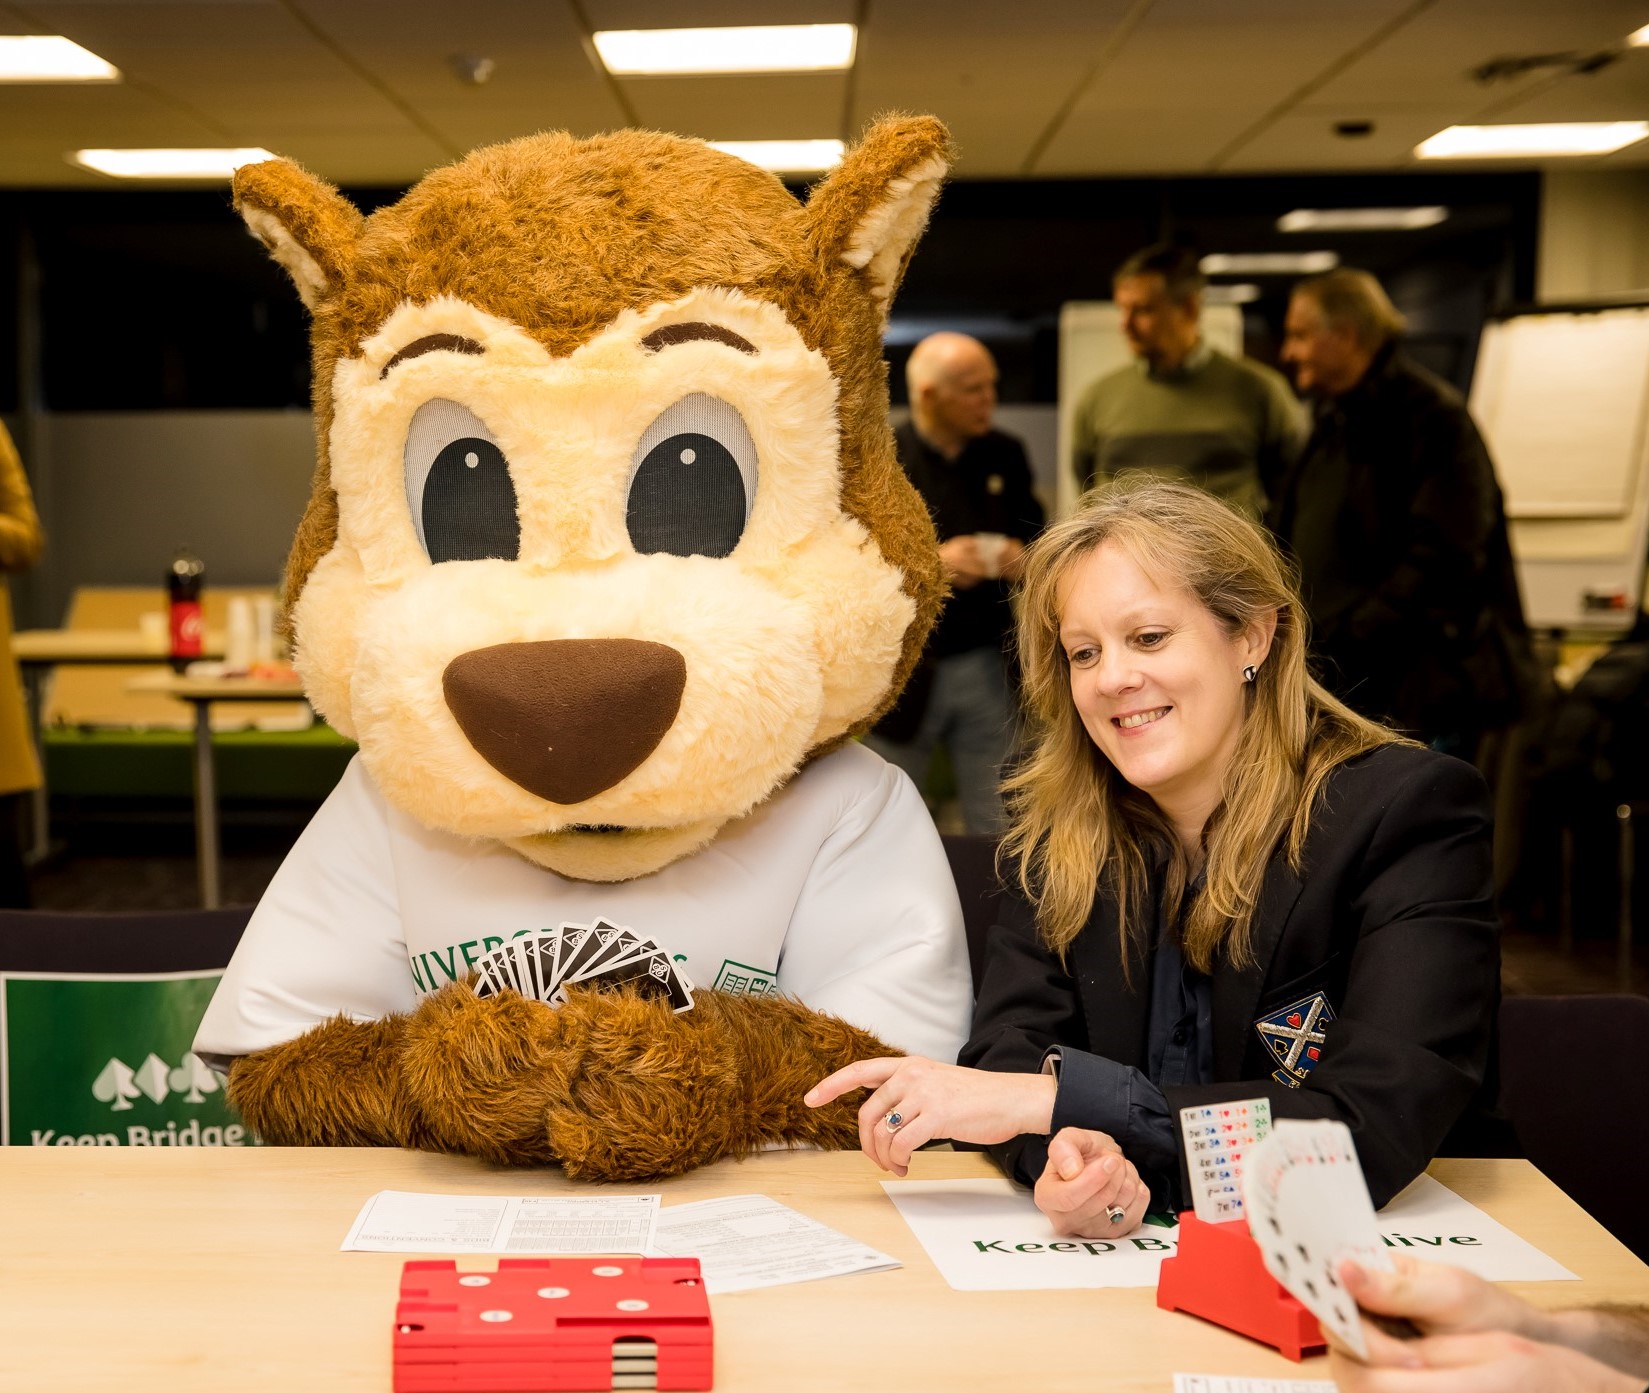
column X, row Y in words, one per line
column 175, row 1270
column 201, row 693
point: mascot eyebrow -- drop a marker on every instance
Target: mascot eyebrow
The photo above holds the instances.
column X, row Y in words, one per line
column 432, row 343
column 672, row 334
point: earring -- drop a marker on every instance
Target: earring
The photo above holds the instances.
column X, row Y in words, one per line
column 1248, row 673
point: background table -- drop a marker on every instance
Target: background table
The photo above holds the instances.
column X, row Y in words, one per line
column 177, row 1270
column 37, row 652
column 201, row 693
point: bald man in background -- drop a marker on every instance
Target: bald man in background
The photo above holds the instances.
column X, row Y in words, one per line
column 976, row 482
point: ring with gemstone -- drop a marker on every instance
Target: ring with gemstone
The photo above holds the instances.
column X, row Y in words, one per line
column 1115, row 1213
column 893, row 1121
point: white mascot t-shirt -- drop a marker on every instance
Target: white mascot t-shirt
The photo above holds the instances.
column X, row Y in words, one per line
column 836, row 891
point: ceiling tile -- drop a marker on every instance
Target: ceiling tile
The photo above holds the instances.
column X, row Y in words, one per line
column 793, row 107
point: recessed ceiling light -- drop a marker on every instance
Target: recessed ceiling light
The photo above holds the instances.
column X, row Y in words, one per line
column 1639, row 38
column 764, row 48
column 1360, row 219
column 1242, row 293
column 167, row 164
column 1550, row 138
column 785, row 156
column 1268, row 263
column 51, row 58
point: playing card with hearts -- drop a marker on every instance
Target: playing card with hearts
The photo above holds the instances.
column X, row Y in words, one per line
column 1308, row 1208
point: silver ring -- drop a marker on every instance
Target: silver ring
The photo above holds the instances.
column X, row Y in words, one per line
column 1115, row 1213
column 893, row 1121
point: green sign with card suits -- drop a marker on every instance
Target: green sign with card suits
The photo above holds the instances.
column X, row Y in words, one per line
column 89, row 1060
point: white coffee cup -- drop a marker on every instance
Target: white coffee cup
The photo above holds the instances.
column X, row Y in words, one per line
column 990, row 546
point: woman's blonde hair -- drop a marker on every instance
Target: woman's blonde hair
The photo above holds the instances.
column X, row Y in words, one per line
column 1076, row 826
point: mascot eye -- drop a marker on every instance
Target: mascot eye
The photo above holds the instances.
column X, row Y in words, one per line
column 694, row 480
column 459, row 487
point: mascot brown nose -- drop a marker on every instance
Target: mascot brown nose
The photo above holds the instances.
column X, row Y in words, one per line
column 566, row 718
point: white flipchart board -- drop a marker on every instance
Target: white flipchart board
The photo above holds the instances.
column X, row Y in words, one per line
column 1562, row 399
column 1091, row 345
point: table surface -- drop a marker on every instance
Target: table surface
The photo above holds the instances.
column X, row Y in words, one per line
column 158, row 1269
column 217, row 688
column 113, row 646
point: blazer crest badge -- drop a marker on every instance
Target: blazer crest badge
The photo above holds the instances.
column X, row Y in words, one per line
column 1294, row 1036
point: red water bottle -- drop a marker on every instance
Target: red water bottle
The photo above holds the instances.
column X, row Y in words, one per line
column 188, row 623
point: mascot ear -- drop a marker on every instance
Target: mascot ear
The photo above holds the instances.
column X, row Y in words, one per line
column 873, row 207
column 307, row 225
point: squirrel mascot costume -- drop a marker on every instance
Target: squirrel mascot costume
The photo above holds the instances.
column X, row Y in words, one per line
column 608, row 558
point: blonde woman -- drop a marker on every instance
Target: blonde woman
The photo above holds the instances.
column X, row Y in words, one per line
column 1226, row 885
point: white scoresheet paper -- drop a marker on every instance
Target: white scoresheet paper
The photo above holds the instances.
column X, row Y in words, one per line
column 403, row 1221
column 1219, row 1383
column 988, row 1235
column 748, row 1241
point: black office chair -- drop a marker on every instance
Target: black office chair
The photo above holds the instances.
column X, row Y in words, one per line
column 1575, row 1079
column 973, row 867
column 100, row 1012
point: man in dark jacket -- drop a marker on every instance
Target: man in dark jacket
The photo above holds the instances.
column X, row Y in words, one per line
column 976, row 482
column 1394, row 516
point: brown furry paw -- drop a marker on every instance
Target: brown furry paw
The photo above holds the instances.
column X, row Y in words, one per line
column 646, row 1093
column 334, row 1085
column 481, row 1070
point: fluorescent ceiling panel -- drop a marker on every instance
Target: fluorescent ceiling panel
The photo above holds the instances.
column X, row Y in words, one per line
column 51, row 58
column 1361, row 219
column 785, row 156
column 766, row 48
column 1550, row 138
column 167, row 164
column 1268, row 263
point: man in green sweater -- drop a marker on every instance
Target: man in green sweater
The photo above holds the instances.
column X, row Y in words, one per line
column 1183, row 409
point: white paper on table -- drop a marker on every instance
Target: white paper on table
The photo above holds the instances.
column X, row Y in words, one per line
column 1428, row 1220
column 988, row 1235
column 747, row 1241
column 1220, row 1383
column 403, row 1221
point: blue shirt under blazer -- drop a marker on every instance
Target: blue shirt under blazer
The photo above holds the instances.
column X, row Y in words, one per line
column 1391, row 921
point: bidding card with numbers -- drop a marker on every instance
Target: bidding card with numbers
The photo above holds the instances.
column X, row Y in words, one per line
column 1218, row 1138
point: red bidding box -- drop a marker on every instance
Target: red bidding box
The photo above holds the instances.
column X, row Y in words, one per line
column 1218, row 1274
column 549, row 1324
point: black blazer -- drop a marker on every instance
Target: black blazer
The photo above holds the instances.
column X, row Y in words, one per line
column 1392, row 919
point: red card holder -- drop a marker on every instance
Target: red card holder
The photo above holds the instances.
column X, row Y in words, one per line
column 551, row 1324
column 1218, row 1274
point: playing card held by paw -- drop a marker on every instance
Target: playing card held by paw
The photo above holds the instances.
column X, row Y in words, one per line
column 602, row 956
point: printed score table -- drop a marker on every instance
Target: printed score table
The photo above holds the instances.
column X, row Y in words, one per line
column 156, row 1270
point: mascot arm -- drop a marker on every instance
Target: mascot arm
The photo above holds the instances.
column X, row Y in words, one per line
column 611, row 1086
column 876, row 935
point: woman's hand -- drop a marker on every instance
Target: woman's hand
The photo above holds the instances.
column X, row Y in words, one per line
column 915, row 1100
column 1087, row 1179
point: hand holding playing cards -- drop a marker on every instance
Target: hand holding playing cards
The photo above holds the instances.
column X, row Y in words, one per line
column 1440, row 1300
column 1477, row 1337
column 1491, row 1362
column 1086, row 1180
column 914, row 1101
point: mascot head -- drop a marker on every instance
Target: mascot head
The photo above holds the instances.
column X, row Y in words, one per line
column 607, row 534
